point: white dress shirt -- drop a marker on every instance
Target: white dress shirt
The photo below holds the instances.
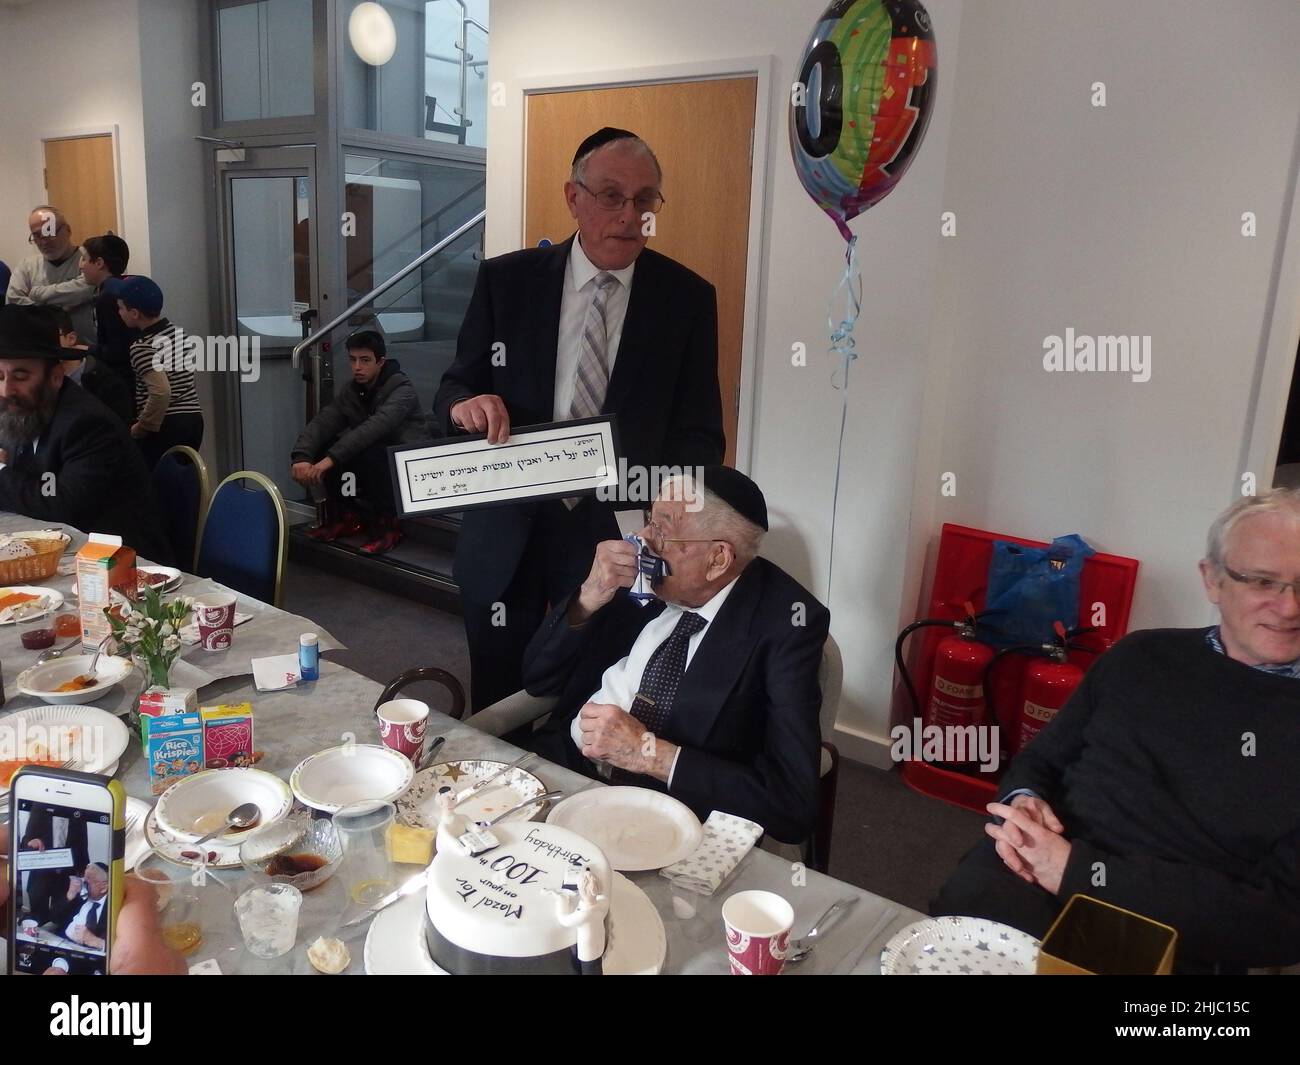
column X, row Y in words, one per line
column 83, row 917
column 622, row 680
column 579, row 286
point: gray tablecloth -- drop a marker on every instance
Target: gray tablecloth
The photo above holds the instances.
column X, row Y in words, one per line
column 270, row 631
column 290, row 725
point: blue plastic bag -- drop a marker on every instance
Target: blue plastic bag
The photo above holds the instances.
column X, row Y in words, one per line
column 1030, row 588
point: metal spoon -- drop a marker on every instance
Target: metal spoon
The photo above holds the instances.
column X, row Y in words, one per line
column 241, row 816
column 803, row 946
column 546, row 796
column 56, row 652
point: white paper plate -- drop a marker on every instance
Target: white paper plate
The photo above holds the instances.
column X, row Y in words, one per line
column 175, row 578
column 173, row 849
column 637, row 944
column 195, row 805
column 635, row 828
column 339, row 776
column 418, row 807
column 41, row 680
column 53, row 599
column 960, row 946
column 108, row 739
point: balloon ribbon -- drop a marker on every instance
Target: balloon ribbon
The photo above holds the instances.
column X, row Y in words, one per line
column 848, row 296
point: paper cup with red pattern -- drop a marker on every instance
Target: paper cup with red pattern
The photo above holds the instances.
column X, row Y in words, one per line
column 758, row 927
column 402, row 723
column 215, row 616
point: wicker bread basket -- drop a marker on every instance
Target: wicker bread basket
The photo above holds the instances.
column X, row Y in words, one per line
column 45, row 563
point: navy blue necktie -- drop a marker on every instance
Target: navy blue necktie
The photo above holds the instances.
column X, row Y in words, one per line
column 659, row 683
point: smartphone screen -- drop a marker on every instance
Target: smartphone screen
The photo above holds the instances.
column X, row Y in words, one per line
column 61, row 897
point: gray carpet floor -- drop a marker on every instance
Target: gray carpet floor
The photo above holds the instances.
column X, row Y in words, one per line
column 888, row 839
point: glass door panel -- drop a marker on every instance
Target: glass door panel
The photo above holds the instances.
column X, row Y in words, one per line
column 270, row 254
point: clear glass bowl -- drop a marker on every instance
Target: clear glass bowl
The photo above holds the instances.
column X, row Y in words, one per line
column 293, row 839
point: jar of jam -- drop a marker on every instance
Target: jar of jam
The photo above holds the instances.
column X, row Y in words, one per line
column 66, row 625
column 37, row 637
column 35, row 627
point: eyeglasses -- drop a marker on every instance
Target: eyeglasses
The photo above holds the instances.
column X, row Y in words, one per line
column 613, row 200
column 648, row 518
column 32, row 238
column 1263, row 585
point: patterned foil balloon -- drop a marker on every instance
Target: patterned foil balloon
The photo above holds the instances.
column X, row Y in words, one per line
column 863, row 100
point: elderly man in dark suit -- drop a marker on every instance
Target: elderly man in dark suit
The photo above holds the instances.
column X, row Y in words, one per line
column 710, row 693
column 83, row 915
column 64, row 457
column 596, row 325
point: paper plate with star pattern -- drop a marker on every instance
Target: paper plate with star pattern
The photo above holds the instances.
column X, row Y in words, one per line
column 418, row 807
column 960, row 946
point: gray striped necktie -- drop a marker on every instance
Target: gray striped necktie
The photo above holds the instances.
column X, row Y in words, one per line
column 592, row 378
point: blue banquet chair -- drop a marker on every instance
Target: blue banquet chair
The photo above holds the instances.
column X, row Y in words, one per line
column 244, row 536
column 180, row 482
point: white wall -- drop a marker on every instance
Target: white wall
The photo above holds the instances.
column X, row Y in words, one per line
column 1117, row 220
column 49, row 53
column 1125, row 219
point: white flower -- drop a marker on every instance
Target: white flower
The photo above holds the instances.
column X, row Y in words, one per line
column 165, row 629
column 171, row 643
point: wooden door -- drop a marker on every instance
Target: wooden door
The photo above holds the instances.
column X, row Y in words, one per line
column 81, row 180
column 702, row 133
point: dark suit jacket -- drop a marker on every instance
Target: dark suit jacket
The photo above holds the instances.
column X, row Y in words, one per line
column 66, row 910
column 101, row 483
column 745, row 714
column 663, row 392
column 40, row 826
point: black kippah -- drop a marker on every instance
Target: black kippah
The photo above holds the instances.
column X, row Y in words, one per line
column 601, row 138
column 738, row 492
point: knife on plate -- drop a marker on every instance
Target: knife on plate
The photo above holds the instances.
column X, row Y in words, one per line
column 414, row 884
column 478, row 786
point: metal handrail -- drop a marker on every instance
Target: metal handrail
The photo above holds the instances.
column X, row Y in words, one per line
column 384, row 286
column 429, row 219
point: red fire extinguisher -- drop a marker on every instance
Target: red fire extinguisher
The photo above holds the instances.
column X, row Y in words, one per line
column 1044, row 689
column 1049, row 683
column 957, row 695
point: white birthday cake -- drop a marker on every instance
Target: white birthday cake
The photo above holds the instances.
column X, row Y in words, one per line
column 537, row 902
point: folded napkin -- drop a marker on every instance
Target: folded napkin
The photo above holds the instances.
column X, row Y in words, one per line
column 277, row 672
column 727, row 839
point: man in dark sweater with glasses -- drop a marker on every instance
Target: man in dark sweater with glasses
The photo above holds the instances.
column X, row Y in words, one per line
column 1168, row 785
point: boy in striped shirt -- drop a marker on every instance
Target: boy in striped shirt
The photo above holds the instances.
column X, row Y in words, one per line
column 167, row 410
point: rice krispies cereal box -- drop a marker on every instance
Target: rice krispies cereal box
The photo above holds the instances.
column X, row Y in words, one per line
column 173, row 748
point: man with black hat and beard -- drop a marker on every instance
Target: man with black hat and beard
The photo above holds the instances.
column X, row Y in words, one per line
column 710, row 692
column 596, row 325
column 66, row 457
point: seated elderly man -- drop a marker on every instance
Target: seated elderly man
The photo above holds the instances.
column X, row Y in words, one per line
column 1168, row 785
column 64, row 457
column 709, row 692
column 85, row 920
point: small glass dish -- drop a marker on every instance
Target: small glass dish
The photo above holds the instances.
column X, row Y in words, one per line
column 293, row 843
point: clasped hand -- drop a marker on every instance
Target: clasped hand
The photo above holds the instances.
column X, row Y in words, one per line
column 1030, row 841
